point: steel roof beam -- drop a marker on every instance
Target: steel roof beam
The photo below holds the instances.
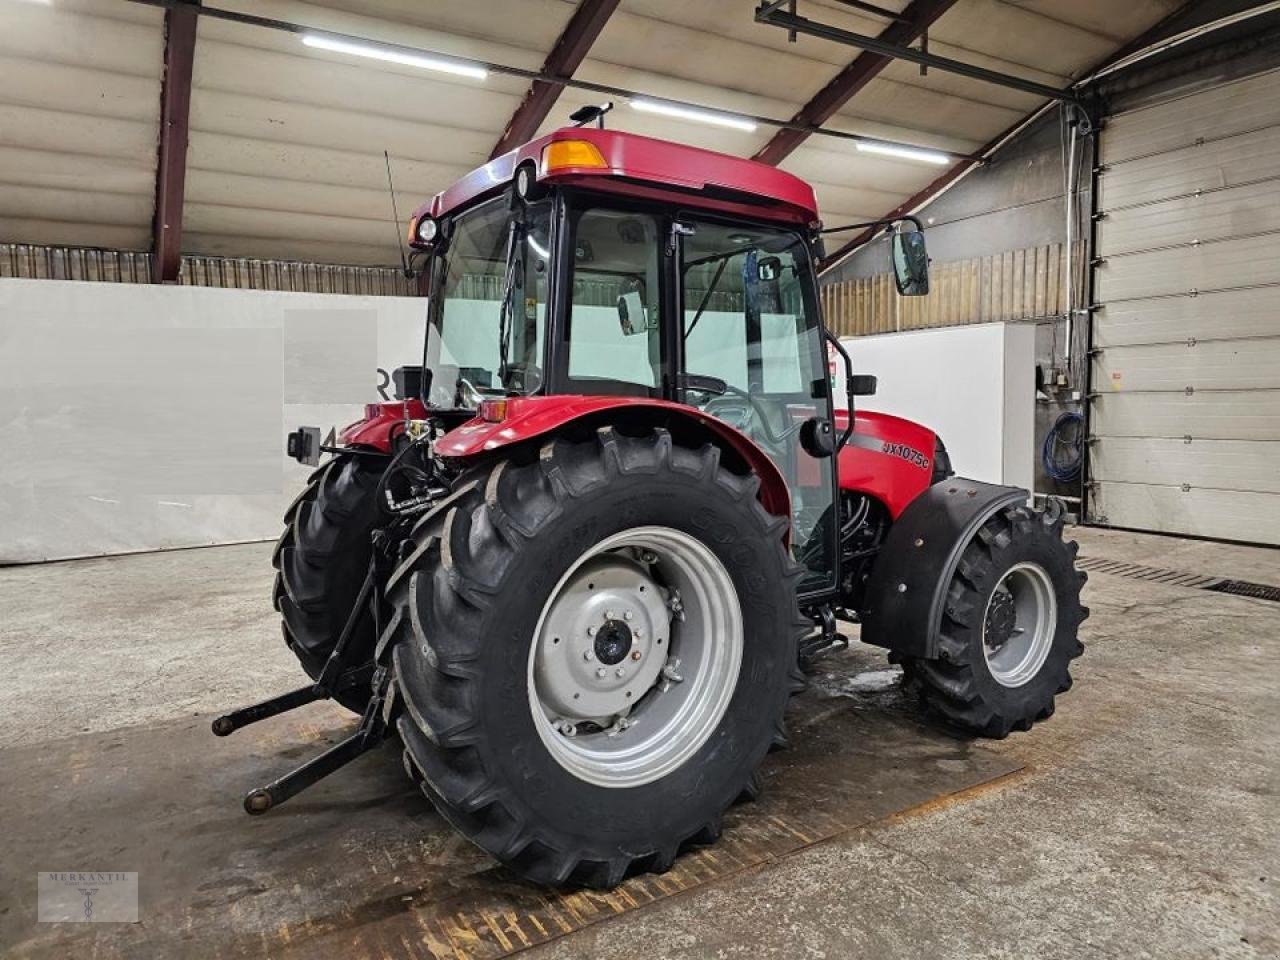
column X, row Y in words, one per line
column 564, row 59
column 171, row 162
column 900, row 51
column 918, row 16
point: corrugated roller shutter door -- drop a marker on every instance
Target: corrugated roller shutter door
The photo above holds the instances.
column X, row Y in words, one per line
column 1185, row 408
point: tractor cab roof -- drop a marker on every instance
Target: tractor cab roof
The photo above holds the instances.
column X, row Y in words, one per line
column 641, row 167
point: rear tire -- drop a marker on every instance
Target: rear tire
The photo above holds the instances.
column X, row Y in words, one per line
column 1009, row 627
column 467, row 604
column 321, row 561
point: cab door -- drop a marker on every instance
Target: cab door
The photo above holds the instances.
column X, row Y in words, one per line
column 748, row 322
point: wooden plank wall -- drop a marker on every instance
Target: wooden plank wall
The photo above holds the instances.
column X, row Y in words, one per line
column 1014, row 285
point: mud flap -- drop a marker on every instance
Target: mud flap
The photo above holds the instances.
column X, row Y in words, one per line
column 909, row 581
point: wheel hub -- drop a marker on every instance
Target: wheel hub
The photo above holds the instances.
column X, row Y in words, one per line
column 635, row 657
column 613, row 642
column 603, row 644
column 1019, row 624
column 1002, row 617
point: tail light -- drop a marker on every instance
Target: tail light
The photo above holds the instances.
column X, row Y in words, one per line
column 493, row 411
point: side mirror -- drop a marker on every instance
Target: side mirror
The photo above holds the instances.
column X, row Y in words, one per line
column 862, row 385
column 632, row 317
column 769, row 269
column 910, row 263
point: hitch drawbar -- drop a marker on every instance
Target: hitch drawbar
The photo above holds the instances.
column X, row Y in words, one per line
column 335, row 676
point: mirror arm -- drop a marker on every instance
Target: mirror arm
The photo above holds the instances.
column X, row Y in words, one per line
column 887, row 222
column 848, row 387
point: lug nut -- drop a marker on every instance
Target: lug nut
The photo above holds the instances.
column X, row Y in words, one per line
column 620, row 672
column 608, row 614
column 601, row 672
column 628, row 615
column 587, row 654
column 637, row 632
column 635, row 654
column 591, row 631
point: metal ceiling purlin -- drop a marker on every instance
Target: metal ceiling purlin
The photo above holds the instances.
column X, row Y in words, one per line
column 897, row 49
column 171, row 166
column 563, row 60
column 916, row 18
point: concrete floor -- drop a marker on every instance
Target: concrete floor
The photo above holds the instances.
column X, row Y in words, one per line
column 1144, row 821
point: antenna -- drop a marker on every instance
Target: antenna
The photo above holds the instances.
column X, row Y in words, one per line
column 584, row 115
column 404, row 263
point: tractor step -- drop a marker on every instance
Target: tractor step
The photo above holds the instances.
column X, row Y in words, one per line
column 826, row 641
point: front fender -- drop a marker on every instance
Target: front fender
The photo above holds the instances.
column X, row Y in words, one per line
column 530, row 418
column 908, row 584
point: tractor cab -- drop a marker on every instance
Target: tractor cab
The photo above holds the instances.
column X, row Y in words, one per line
column 599, row 264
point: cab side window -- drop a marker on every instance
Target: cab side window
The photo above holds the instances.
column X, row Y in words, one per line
column 614, row 316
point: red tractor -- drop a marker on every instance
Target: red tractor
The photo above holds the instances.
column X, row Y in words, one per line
column 579, row 565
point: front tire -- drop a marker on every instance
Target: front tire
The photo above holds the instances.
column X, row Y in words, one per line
column 490, row 627
column 1009, row 627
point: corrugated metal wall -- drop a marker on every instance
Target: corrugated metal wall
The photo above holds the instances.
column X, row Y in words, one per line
column 1185, row 402
column 124, row 266
column 1028, row 284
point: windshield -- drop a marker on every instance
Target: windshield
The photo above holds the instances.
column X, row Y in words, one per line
column 487, row 316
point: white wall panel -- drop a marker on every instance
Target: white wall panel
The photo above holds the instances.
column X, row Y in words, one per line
column 974, row 386
column 143, row 417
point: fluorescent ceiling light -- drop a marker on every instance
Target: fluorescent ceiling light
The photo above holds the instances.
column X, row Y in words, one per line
column 905, row 153
column 377, row 52
column 694, row 114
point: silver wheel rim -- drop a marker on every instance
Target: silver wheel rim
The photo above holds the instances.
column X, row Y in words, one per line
column 664, row 602
column 1027, row 591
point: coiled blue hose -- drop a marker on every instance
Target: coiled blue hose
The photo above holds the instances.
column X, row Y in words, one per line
column 1064, row 469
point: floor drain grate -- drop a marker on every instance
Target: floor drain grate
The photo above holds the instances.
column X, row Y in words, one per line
column 1243, row 588
column 1136, row 571
column 1177, row 578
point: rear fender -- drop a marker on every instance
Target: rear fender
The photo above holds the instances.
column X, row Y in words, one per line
column 908, row 584
column 534, row 418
